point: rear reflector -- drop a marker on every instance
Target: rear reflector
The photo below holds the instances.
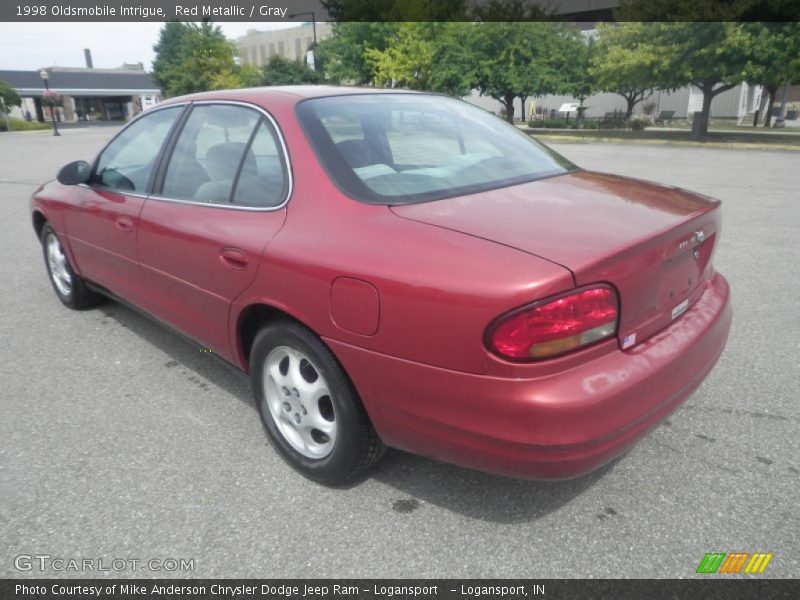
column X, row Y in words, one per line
column 553, row 327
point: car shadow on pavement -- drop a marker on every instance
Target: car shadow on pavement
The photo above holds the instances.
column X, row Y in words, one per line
column 418, row 480
column 476, row 494
column 203, row 367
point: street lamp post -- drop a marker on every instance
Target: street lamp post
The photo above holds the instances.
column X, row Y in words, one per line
column 313, row 26
column 45, row 75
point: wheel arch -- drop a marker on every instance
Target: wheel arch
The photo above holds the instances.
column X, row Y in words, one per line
column 39, row 221
column 252, row 319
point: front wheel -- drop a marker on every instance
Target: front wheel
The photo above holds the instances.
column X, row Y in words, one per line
column 309, row 406
column 70, row 288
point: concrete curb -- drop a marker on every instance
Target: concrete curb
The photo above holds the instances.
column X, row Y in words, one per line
column 27, row 131
column 578, row 139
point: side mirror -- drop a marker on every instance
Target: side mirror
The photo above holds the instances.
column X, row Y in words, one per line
column 74, row 173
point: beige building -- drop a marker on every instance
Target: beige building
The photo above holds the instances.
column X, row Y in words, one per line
column 257, row 47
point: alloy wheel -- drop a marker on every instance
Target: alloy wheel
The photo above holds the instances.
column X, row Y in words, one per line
column 57, row 262
column 299, row 401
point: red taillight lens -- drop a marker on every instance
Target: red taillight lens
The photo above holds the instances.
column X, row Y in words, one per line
column 554, row 327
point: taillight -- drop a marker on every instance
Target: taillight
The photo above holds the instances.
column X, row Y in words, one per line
column 552, row 327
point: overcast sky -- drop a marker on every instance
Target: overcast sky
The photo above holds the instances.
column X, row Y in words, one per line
column 29, row 46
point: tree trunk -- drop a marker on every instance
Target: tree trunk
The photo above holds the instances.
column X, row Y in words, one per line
column 508, row 102
column 700, row 131
column 771, row 91
column 781, row 120
column 631, row 104
column 522, row 103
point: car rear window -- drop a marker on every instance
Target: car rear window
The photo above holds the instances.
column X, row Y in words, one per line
column 404, row 148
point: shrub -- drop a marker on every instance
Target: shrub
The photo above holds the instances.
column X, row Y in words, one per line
column 22, row 125
column 641, row 123
column 562, row 124
column 549, row 123
column 591, row 124
column 613, row 120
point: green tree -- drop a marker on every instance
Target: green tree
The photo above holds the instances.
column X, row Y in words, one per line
column 775, row 60
column 711, row 56
column 407, row 61
column 169, row 52
column 194, row 57
column 578, row 80
column 282, row 71
column 250, row 76
column 518, row 60
column 342, row 57
column 454, row 67
column 9, row 95
column 625, row 62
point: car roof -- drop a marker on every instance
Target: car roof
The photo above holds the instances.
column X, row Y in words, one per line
column 299, row 92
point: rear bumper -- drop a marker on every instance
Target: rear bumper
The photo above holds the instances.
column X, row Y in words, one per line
column 556, row 426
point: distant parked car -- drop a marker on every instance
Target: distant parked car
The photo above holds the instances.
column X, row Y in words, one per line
column 399, row 269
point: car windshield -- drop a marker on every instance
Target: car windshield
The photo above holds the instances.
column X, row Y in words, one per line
column 399, row 148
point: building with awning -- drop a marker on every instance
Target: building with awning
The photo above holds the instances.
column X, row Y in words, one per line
column 87, row 94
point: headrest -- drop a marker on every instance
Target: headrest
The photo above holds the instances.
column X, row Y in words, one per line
column 222, row 160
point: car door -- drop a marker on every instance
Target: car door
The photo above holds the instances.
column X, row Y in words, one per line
column 102, row 229
column 219, row 200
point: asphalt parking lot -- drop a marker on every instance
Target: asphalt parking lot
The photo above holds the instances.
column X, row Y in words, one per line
column 120, row 440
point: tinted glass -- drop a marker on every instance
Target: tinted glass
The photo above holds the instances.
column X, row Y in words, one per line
column 128, row 161
column 262, row 180
column 403, row 148
column 208, row 153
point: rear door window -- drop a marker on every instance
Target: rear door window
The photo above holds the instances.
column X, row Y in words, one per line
column 227, row 155
column 208, row 153
column 263, row 180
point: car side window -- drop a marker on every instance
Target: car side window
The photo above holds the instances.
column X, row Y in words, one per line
column 208, row 153
column 128, row 161
column 263, row 179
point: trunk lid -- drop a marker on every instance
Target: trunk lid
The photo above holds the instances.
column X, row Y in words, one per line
column 654, row 243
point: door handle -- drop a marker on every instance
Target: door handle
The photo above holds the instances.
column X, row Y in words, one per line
column 233, row 258
column 124, row 224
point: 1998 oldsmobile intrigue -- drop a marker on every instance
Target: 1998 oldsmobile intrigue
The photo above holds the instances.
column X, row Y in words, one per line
column 399, row 269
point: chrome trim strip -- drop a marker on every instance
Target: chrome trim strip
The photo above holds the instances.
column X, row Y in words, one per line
column 214, row 205
column 98, row 189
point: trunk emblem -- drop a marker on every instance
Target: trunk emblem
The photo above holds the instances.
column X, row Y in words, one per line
column 699, row 236
column 680, row 309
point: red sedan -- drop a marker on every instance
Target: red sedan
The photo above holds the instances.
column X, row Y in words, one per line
column 399, row 269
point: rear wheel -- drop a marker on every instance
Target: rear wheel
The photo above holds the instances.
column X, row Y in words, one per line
column 309, row 406
column 70, row 288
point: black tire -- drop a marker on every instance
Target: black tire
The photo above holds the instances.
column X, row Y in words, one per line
column 77, row 294
column 355, row 446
